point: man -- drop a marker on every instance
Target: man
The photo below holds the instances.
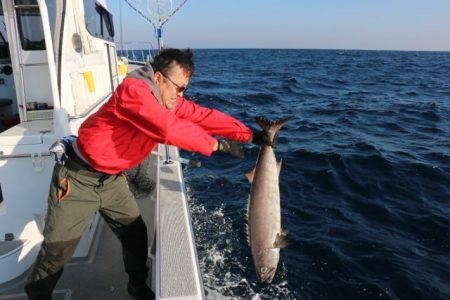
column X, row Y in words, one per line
column 146, row 109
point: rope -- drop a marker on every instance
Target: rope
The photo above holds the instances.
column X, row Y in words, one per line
column 149, row 20
column 140, row 13
column 175, row 10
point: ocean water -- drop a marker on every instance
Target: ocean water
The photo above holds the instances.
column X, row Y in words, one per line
column 365, row 181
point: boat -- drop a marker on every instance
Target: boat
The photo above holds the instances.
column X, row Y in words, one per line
column 58, row 65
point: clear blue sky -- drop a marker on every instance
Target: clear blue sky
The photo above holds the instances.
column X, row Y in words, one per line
column 323, row 24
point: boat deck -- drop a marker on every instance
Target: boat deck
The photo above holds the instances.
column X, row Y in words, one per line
column 99, row 276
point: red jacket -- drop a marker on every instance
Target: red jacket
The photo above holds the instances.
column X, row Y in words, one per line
column 126, row 129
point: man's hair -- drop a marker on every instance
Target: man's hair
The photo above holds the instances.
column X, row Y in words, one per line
column 168, row 58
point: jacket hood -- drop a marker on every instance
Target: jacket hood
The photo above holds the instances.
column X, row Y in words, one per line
column 147, row 74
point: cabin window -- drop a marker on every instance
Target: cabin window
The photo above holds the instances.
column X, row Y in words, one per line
column 30, row 25
column 4, row 51
column 99, row 21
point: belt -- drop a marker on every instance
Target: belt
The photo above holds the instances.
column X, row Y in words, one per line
column 76, row 164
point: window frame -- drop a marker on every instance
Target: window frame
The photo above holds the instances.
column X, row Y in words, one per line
column 102, row 25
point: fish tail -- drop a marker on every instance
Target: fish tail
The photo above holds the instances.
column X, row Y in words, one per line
column 270, row 127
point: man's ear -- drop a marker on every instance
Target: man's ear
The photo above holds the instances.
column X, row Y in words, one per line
column 158, row 77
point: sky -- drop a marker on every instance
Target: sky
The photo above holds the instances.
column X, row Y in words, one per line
column 298, row 24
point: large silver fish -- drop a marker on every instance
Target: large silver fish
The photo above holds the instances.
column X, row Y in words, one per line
column 266, row 236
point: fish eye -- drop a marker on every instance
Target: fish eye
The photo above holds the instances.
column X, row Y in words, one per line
column 263, row 269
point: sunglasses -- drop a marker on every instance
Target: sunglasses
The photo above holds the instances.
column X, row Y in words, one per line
column 180, row 89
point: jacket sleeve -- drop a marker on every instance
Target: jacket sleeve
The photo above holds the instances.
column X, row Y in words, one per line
column 137, row 104
column 213, row 121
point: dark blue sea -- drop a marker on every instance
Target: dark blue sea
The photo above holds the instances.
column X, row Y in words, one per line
column 365, row 182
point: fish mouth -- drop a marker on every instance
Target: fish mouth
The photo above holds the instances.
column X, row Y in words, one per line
column 267, row 276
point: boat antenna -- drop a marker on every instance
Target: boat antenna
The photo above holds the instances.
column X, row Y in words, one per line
column 121, row 27
column 157, row 13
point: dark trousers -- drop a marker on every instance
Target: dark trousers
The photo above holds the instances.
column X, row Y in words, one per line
column 75, row 194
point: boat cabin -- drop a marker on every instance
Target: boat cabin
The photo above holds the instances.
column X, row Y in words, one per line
column 58, row 64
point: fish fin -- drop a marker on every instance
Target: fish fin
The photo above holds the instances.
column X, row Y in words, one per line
column 282, row 240
column 279, row 166
column 249, row 174
column 270, row 127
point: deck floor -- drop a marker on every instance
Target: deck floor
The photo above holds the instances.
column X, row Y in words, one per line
column 97, row 277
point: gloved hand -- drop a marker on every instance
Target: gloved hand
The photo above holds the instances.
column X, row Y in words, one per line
column 261, row 138
column 58, row 150
column 230, row 147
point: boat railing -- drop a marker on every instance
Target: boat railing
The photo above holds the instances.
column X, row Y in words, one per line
column 137, row 52
column 177, row 269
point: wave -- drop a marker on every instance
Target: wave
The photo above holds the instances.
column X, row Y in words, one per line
column 225, row 257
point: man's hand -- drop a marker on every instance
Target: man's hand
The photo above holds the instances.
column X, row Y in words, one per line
column 261, row 138
column 230, row 147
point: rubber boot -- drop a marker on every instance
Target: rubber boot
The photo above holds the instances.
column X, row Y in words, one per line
column 140, row 290
column 42, row 289
column 133, row 238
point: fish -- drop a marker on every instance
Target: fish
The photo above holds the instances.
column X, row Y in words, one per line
column 265, row 235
